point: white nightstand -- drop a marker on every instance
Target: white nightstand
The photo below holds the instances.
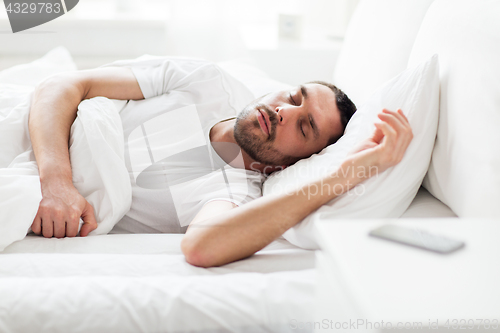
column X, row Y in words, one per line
column 364, row 279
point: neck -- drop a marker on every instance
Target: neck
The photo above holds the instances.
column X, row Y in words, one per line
column 223, row 132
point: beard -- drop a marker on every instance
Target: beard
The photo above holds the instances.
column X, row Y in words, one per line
column 258, row 148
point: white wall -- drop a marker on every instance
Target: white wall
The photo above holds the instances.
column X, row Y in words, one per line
column 99, row 31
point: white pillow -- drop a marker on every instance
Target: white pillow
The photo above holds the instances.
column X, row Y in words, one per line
column 55, row 61
column 377, row 45
column 416, row 92
column 465, row 167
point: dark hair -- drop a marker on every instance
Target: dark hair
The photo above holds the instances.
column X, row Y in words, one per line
column 344, row 104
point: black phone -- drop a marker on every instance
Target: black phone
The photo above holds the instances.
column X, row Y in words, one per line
column 418, row 238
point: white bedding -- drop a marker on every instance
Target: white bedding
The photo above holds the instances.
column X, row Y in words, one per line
column 141, row 283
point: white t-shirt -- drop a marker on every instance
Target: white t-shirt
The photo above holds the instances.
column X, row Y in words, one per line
column 173, row 167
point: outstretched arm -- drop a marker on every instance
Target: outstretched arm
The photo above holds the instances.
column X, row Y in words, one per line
column 53, row 110
column 220, row 234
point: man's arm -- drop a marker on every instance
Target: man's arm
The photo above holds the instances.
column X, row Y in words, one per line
column 53, row 110
column 220, row 234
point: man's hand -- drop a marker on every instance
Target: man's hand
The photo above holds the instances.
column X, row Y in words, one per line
column 388, row 144
column 60, row 211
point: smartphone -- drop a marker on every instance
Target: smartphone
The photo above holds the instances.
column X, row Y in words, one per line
column 418, row 238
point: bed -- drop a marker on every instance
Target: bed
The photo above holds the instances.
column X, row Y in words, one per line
column 141, row 282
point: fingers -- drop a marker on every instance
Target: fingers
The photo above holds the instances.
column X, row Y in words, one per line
column 43, row 222
column 56, row 220
column 397, row 120
column 54, row 224
column 72, row 228
column 36, row 226
column 72, row 223
column 390, row 134
column 399, row 115
column 400, row 112
column 397, row 135
column 378, row 135
column 406, row 134
column 89, row 221
column 388, row 143
column 394, row 119
column 59, row 228
column 47, row 227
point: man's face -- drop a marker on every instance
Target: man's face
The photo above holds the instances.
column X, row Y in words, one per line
column 283, row 127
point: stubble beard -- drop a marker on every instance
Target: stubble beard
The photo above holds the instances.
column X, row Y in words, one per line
column 258, row 148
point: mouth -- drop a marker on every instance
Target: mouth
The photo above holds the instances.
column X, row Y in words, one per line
column 264, row 122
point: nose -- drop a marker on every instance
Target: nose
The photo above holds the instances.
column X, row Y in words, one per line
column 279, row 113
column 287, row 114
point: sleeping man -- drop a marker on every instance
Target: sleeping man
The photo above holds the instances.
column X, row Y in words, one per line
column 198, row 148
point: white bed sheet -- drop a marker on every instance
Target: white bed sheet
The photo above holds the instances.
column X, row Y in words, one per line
column 141, row 283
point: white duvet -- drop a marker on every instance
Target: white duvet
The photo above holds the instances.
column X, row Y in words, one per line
column 96, row 152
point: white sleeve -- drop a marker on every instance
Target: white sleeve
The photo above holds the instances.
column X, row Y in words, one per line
column 159, row 75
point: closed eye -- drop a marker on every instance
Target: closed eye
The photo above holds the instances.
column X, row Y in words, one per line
column 291, row 99
column 302, row 127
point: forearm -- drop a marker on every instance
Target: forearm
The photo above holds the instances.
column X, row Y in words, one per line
column 240, row 232
column 53, row 110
